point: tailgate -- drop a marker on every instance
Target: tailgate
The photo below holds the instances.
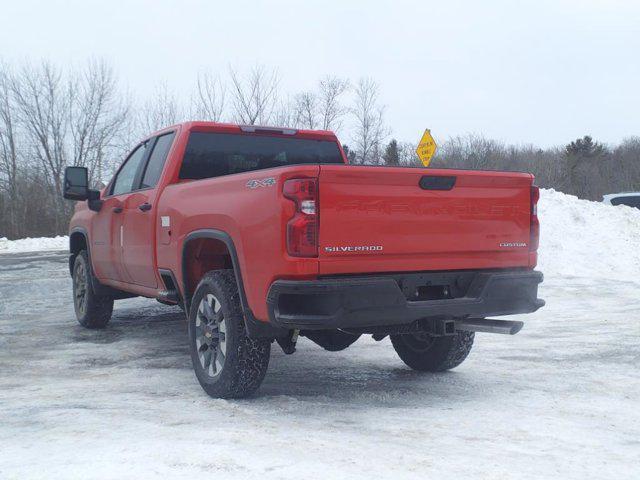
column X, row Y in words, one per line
column 381, row 219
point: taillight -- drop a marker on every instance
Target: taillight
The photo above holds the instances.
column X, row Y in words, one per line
column 302, row 229
column 534, row 238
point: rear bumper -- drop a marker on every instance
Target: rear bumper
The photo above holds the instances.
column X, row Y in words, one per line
column 400, row 299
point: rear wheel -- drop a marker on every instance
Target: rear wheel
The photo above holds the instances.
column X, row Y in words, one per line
column 427, row 353
column 227, row 363
column 92, row 311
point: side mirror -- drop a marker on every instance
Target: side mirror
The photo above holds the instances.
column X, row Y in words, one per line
column 76, row 187
column 76, row 183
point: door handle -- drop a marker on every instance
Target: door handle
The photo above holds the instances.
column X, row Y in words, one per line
column 145, row 207
column 117, row 209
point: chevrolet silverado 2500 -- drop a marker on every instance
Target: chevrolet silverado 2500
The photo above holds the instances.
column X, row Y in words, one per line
column 264, row 234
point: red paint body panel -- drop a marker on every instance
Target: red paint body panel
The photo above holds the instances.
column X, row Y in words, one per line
column 254, row 218
column 104, row 228
column 138, row 228
column 417, row 229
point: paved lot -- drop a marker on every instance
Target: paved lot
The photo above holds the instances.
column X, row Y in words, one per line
column 561, row 399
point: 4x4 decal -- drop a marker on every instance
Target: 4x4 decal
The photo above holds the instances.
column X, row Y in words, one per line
column 264, row 182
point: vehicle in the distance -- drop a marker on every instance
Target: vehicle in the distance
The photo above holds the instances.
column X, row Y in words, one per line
column 267, row 234
column 630, row 199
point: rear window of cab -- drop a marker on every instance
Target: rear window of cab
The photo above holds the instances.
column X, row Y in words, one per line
column 217, row 154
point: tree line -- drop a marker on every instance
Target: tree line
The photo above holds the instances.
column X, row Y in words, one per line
column 51, row 117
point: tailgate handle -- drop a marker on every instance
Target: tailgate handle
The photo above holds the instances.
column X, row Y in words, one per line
column 431, row 182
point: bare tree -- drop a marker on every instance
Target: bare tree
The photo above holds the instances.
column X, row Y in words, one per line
column 62, row 119
column 306, row 110
column 130, row 131
column 254, row 97
column 97, row 117
column 43, row 101
column 474, row 152
column 370, row 129
column 8, row 150
column 408, row 155
column 626, row 171
column 285, row 113
column 331, row 111
column 208, row 102
column 161, row 111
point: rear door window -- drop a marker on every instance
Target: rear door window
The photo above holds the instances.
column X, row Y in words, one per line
column 156, row 161
column 216, row 154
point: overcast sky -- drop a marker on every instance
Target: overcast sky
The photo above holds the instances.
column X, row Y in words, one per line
column 542, row 72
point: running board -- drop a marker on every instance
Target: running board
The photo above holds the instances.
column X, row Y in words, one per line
column 487, row 325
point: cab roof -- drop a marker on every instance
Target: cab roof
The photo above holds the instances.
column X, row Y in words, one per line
column 215, row 127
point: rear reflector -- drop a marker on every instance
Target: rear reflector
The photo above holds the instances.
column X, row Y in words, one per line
column 302, row 229
column 534, row 235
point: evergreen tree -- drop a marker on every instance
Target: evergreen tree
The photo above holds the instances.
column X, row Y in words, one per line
column 582, row 154
column 584, row 147
column 351, row 154
column 391, row 154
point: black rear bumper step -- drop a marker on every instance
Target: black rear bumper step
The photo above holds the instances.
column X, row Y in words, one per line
column 488, row 325
column 400, row 299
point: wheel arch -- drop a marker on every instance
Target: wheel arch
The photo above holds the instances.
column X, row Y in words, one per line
column 78, row 240
column 193, row 243
column 255, row 328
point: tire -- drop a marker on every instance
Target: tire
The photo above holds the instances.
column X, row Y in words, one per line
column 236, row 364
column 92, row 311
column 433, row 354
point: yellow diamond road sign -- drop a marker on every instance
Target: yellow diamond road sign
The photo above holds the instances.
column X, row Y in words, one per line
column 426, row 148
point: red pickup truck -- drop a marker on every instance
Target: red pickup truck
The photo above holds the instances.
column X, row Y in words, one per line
column 264, row 234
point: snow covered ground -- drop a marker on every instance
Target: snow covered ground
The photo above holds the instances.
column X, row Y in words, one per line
column 559, row 400
column 33, row 244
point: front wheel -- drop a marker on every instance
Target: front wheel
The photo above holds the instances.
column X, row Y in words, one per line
column 227, row 363
column 427, row 353
column 92, row 311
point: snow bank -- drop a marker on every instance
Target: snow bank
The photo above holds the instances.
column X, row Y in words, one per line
column 33, row 244
column 583, row 238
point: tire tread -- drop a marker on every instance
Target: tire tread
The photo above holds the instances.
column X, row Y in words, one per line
column 99, row 308
column 447, row 352
column 250, row 359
